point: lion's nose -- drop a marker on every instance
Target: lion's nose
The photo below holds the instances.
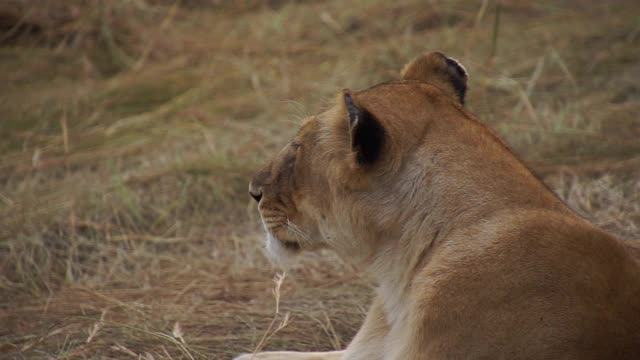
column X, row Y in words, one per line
column 256, row 193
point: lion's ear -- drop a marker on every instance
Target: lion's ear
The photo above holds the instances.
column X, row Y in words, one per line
column 367, row 135
column 436, row 68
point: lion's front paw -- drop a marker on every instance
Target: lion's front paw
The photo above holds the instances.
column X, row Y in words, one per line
column 261, row 356
column 270, row 355
column 243, row 357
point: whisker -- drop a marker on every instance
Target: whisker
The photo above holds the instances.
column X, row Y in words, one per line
column 301, row 231
column 298, row 237
column 298, row 232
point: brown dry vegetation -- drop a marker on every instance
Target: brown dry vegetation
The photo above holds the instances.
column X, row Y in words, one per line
column 130, row 130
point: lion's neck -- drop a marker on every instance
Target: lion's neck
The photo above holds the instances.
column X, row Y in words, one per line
column 393, row 271
column 439, row 194
column 403, row 253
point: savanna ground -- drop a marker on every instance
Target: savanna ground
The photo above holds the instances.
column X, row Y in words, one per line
column 130, row 130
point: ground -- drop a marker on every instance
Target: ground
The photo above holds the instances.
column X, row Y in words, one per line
column 130, row 130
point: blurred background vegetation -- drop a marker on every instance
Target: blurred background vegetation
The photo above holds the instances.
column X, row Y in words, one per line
column 130, row 129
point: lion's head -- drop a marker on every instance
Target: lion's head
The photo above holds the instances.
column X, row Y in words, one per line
column 350, row 171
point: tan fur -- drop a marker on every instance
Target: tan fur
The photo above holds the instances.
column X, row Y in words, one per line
column 473, row 256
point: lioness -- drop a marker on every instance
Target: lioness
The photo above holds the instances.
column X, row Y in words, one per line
column 474, row 258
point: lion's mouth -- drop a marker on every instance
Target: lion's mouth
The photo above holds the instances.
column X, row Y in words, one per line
column 284, row 236
column 291, row 245
column 281, row 236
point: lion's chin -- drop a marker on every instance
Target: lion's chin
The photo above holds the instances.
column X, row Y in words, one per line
column 281, row 252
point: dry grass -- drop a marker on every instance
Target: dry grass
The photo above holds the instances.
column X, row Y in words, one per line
column 130, row 130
